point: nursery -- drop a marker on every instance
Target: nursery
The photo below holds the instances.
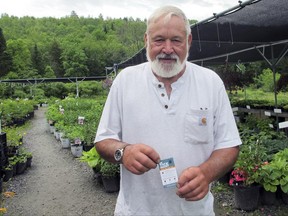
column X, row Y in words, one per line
column 262, row 165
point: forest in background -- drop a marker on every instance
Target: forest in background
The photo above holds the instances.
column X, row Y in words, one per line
column 71, row 46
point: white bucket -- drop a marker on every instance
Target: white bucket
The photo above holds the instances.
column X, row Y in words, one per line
column 76, row 150
column 65, row 143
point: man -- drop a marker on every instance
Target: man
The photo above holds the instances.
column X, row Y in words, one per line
column 170, row 110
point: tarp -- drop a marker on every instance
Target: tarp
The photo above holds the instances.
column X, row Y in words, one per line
column 250, row 31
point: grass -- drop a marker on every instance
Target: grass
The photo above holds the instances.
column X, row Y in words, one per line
column 257, row 94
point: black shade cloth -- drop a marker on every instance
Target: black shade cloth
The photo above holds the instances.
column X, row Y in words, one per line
column 239, row 34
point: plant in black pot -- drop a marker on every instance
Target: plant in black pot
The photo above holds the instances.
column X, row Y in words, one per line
column 93, row 159
column 110, row 176
column 8, row 172
column 245, row 175
column 21, row 164
column 28, row 155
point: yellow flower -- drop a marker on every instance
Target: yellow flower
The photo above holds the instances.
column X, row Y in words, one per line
column 9, row 194
column 3, row 210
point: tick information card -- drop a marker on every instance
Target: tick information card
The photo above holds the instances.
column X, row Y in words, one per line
column 168, row 173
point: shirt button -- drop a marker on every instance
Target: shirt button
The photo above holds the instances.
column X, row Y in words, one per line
column 166, row 106
column 159, row 85
column 162, row 94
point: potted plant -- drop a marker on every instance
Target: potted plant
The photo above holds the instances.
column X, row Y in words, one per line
column 281, row 159
column 268, row 177
column 13, row 162
column 23, row 152
column 8, row 172
column 110, row 176
column 244, row 176
column 75, row 135
column 21, row 164
column 93, row 159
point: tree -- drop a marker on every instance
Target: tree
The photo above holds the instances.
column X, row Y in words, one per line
column 265, row 80
column 55, row 59
column 37, row 61
column 49, row 73
column 5, row 58
column 74, row 14
column 19, row 49
column 75, row 62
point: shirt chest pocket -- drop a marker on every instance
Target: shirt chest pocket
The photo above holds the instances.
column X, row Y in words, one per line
column 198, row 128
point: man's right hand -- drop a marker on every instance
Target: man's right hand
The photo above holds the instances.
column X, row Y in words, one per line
column 140, row 158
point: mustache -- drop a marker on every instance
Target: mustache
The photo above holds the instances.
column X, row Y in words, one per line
column 167, row 56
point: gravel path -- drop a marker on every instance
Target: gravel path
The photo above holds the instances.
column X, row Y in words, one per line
column 56, row 184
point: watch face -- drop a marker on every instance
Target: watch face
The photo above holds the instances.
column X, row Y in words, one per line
column 118, row 155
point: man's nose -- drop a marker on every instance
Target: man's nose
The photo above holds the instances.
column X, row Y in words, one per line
column 168, row 47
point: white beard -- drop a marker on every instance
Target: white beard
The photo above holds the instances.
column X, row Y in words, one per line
column 166, row 70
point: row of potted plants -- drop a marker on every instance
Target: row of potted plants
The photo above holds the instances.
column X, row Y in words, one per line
column 17, row 164
column 106, row 174
column 16, row 112
column 262, row 164
column 15, row 158
column 75, row 119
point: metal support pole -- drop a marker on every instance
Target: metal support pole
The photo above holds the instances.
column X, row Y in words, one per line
column 77, row 88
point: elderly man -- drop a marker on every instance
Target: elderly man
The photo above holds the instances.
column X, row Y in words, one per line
column 170, row 125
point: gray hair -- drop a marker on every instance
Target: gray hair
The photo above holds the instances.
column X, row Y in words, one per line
column 168, row 12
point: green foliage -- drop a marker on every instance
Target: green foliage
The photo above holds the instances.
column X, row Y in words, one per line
column 92, row 158
column 5, row 58
column 254, row 128
column 14, row 135
column 15, row 109
column 274, row 174
column 109, row 169
column 265, row 80
column 274, row 146
column 84, row 46
column 67, row 120
column 282, row 158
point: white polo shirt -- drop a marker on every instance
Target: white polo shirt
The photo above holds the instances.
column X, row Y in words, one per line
column 195, row 121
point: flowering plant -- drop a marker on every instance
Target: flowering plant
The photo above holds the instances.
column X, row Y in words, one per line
column 238, row 176
column 248, row 164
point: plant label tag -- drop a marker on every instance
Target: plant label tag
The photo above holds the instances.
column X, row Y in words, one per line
column 168, row 173
column 266, row 113
column 277, row 111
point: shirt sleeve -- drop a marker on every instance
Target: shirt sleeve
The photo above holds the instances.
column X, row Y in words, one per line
column 225, row 129
column 110, row 123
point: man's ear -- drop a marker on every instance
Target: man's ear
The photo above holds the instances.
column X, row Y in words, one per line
column 145, row 39
column 189, row 40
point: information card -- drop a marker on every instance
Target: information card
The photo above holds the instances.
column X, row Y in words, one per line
column 168, row 173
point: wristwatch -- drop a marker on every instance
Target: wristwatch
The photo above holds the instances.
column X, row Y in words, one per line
column 118, row 154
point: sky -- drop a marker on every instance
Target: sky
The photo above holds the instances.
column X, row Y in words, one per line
column 194, row 9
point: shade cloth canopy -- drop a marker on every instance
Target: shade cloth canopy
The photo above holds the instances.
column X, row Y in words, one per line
column 250, row 31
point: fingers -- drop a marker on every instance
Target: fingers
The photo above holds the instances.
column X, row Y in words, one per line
column 152, row 154
column 140, row 158
column 192, row 185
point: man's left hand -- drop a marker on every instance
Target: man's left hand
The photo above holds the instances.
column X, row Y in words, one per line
column 192, row 184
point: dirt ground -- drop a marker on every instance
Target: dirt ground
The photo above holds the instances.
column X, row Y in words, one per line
column 57, row 184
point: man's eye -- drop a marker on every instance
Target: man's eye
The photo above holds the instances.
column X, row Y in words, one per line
column 159, row 40
column 176, row 40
